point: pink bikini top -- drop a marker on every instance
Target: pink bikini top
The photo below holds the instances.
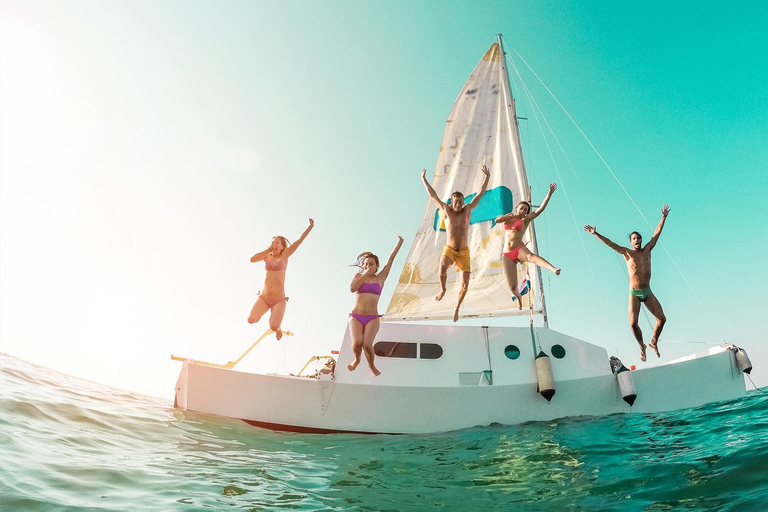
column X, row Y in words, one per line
column 374, row 288
column 516, row 226
column 278, row 264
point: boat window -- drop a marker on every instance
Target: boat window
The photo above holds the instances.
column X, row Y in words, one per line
column 395, row 349
column 431, row 351
column 512, row 352
column 558, row 351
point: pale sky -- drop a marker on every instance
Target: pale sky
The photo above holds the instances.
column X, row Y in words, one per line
column 148, row 149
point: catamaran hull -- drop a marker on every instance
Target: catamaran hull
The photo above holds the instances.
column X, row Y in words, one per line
column 328, row 404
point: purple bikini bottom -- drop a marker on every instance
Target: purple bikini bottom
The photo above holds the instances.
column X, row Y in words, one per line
column 364, row 319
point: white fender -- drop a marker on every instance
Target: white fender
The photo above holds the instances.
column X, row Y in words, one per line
column 742, row 360
column 626, row 385
column 544, row 376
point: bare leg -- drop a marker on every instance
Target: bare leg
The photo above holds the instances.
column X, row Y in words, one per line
column 462, row 293
column 510, row 271
column 653, row 305
column 356, row 330
column 634, row 312
column 276, row 318
column 369, row 334
column 257, row 311
column 445, row 262
column 526, row 255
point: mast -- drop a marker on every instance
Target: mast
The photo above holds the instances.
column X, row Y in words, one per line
column 523, row 177
column 481, row 129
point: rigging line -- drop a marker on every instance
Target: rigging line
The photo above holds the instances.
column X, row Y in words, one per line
column 562, row 150
column 587, row 139
column 698, row 300
column 533, row 102
column 696, row 296
column 281, row 356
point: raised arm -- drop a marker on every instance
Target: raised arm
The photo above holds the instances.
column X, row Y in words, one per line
column 387, row 266
column 476, row 200
column 544, row 203
column 655, row 238
column 431, row 191
column 290, row 250
column 616, row 247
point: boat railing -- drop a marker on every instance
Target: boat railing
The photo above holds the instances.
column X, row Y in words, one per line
column 231, row 364
column 328, row 368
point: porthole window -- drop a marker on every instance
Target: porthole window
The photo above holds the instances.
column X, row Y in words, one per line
column 395, row 349
column 512, row 352
column 558, row 351
column 431, row 351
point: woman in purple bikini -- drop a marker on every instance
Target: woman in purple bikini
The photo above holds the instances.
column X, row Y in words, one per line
column 272, row 296
column 364, row 319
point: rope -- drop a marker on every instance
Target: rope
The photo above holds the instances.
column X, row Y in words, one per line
column 585, row 138
column 610, row 170
column 534, row 110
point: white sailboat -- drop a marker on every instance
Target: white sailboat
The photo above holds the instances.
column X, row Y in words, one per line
column 437, row 378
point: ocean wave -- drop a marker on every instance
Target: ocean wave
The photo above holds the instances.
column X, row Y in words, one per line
column 76, row 444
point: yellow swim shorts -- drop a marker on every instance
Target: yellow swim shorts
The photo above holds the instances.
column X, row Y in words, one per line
column 460, row 258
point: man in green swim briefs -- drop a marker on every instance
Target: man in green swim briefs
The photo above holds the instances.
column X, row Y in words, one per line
column 638, row 260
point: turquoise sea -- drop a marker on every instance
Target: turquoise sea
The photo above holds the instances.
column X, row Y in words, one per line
column 71, row 444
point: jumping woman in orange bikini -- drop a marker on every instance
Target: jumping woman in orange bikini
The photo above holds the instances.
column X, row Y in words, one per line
column 515, row 225
column 364, row 319
column 272, row 296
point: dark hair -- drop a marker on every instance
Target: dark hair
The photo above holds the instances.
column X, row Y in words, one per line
column 635, row 233
column 458, row 194
column 361, row 259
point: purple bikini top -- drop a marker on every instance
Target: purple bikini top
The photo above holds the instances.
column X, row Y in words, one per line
column 277, row 265
column 374, row 288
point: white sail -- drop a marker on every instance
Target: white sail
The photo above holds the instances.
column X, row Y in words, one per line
column 481, row 129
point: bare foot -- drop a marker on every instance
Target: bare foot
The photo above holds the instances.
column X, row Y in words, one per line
column 353, row 365
column 278, row 334
column 654, row 346
column 642, row 352
column 456, row 314
column 557, row 271
column 375, row 371
column 440, row 295
column 519, row 301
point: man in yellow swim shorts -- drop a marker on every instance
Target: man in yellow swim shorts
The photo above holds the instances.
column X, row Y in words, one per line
column 460, row 258
column 457, row 216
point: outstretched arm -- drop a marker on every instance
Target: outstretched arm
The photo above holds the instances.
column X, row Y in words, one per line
column 476, row 200
column 591, row 230
column 656, row 234
column 544, row 203
column 431, row 191
column 290, row 250
column 385, row 271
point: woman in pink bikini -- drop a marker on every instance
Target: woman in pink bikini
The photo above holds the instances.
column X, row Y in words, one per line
column 364, row 319
column 272, row 296
column 515, row 225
